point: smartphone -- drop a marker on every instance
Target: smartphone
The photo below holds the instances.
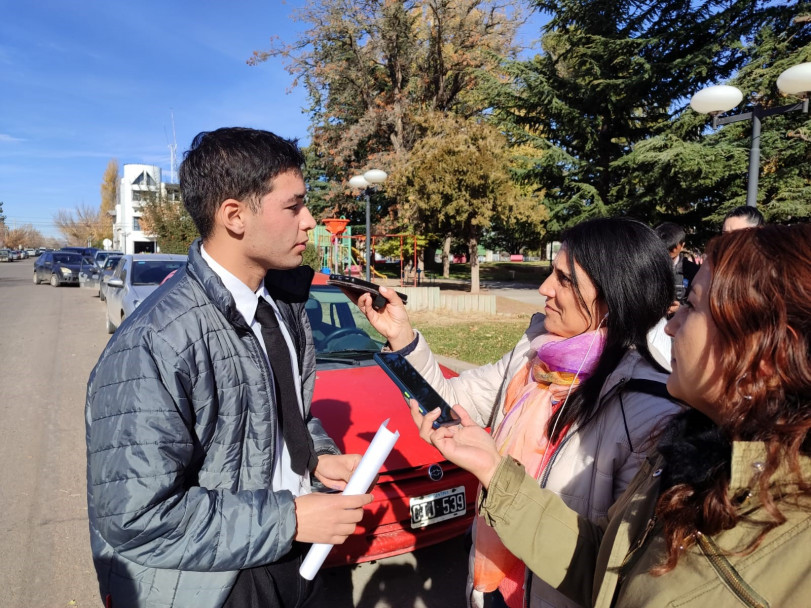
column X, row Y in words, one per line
column 361, row 286
column 414, row 386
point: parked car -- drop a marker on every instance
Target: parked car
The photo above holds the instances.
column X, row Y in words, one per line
column 89, row 276
column 59, row 268
column 420, row 499
column 15, row 255
column 5, row 255
column 106, row 272
column 32, row 253
column 135, row 277
column 101, row 257
column 86, row 251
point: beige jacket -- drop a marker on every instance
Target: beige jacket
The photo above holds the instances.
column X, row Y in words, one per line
column 594, row 464
column 607, row 565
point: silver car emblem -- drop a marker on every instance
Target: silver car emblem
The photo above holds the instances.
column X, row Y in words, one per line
column 435, row 472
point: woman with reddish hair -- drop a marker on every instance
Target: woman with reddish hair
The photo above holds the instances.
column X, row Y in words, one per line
column 720, row 513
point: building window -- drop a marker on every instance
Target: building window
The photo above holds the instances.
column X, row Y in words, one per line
column 136, row 223
column 145, row 179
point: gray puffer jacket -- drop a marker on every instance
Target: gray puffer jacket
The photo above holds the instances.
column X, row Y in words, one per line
column 181, row 434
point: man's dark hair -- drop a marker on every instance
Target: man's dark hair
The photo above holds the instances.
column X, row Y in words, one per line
column 671, row 234
column 752, row 216
column 232, row 162
column 633, row 275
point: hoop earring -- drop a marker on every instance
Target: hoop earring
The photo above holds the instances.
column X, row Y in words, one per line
column 738, row 388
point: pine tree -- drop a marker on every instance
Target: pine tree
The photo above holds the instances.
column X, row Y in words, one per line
column 696, row 175
column 612, row 74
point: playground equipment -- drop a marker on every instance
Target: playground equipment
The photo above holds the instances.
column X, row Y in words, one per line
column 336, row 227
column 341, row 257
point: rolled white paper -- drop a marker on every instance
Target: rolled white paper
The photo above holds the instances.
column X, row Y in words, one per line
column 361, row 479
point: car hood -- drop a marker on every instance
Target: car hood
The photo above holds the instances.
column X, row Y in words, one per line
column 74, row 267
column 353, row 402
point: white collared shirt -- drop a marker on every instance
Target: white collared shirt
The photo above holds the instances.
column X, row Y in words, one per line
column 246, row 300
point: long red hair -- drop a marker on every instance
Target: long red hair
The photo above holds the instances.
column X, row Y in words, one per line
column 760, row 300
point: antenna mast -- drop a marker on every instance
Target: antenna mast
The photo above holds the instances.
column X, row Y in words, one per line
column 173, row 152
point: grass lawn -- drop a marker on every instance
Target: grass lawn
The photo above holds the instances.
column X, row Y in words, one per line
column 477, row 341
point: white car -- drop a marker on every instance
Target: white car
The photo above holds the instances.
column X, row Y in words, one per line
column 135, row 278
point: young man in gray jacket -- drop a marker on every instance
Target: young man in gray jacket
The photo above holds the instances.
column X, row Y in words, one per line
column 200, row 445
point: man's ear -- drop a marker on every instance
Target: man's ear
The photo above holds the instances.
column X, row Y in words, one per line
column 232, row 215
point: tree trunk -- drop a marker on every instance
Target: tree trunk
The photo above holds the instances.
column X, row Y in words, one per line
column 473, row 252
column 446, row 257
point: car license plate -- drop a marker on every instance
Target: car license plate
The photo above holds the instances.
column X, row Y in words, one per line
column 436, row 507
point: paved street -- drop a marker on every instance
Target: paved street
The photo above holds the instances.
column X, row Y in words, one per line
column 50, row 338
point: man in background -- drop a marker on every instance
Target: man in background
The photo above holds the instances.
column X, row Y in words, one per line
column 684, row 269
column 741, row 218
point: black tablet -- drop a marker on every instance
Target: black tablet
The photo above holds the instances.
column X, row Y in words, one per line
column 414, row 386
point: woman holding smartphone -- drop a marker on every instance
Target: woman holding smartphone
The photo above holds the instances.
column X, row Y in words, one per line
column 578, row 398
column 720, row 514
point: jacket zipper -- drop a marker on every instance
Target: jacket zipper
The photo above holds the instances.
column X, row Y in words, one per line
column 728, row 574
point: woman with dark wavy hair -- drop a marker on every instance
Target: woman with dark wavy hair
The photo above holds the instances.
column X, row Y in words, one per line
column 720, row 514
column 566, row 401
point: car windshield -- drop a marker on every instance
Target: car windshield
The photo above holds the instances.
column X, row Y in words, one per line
column 67, row 258
column 338, row 326
column 152, row 272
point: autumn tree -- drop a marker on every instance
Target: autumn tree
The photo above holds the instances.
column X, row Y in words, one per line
column 80, row 226
column 456, row 181
column 371, row 68
column 109, row 197
column 24, row 236
column 169, row 221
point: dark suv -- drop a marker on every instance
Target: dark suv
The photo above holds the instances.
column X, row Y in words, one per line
column 88, row 252
column 59, row 267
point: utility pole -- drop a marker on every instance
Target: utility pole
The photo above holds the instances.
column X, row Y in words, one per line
column 173, row 153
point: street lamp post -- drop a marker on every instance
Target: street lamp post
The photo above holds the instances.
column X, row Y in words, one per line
column 367, row 182
column 718, row 99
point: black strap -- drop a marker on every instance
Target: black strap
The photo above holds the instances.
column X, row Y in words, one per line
column 294, row 430
column 649, row 387
column 640, row 385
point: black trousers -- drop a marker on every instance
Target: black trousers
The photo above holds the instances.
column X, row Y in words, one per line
column 277, row 585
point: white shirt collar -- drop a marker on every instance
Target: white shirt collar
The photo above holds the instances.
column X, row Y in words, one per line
column 245, row 298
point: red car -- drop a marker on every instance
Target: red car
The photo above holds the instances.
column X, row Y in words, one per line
column 420, row 499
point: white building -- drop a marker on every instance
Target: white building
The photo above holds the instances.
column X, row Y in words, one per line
column 140, row 183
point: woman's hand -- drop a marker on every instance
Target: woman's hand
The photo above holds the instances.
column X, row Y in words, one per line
column 391, row 320
column 466, row 444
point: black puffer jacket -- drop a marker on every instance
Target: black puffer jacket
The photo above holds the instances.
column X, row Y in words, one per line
column 181, row 433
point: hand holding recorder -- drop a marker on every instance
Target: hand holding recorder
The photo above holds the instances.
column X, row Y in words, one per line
column 389, row 317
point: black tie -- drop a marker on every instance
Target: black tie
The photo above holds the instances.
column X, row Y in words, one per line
column 294, row 430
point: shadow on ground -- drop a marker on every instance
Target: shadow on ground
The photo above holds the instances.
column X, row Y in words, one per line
column 428, row 578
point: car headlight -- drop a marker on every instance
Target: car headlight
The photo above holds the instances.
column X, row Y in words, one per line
column 65, row 271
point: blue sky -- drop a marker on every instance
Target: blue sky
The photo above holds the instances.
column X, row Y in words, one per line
column 85, row 81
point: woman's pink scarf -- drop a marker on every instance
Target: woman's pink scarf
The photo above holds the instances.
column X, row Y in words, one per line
column 534, row 394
